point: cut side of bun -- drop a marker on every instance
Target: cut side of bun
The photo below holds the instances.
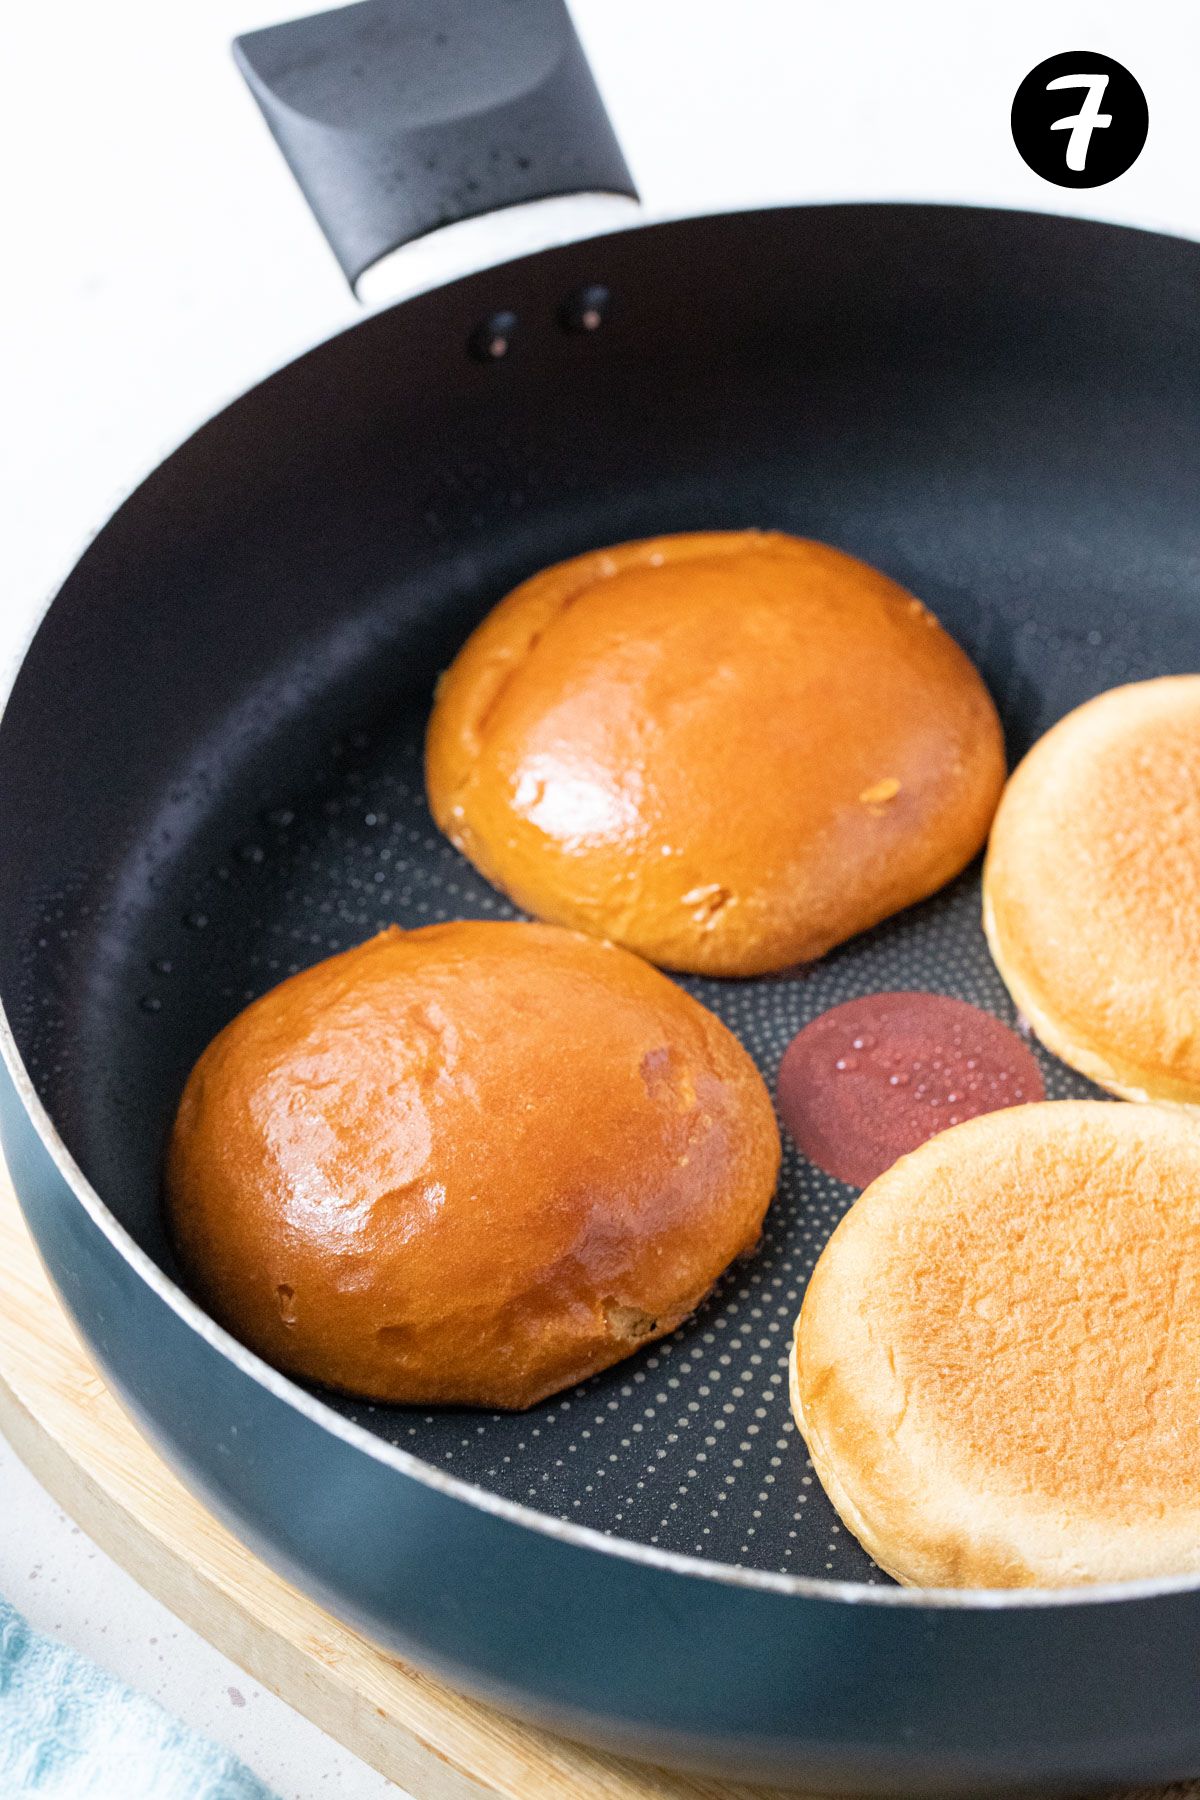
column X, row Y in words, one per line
column 1091, row 890
column 996, row 1361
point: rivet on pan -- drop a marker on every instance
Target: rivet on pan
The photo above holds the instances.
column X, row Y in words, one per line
column 585, row 309
column 491, row 340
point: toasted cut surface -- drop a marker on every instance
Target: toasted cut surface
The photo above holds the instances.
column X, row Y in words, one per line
column 728, row 751
column 1092, row 889
column 468, row 1164
column 996, row 1364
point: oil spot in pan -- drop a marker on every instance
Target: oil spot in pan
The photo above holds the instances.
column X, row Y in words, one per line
column 870, row 1080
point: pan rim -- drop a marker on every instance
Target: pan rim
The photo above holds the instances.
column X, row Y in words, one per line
column 309, row 1404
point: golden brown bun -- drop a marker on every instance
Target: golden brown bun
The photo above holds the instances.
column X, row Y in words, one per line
column 996, row 1364
column 727, row 750
column 1092, row 889
column 470, row 1164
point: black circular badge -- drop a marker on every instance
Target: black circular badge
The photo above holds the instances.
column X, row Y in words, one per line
column 1079, row 119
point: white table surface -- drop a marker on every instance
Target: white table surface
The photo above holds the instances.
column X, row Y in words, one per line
column 160, row 260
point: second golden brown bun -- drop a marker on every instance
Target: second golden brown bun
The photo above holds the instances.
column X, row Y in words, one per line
column 1092, row 889
column 728, row 751
column 469, row 1164
column 996, row 1363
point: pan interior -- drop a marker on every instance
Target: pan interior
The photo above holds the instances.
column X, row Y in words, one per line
column 288, row 820
column 689, row 1444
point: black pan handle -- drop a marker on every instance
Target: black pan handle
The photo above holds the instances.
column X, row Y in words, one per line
column 399, row 116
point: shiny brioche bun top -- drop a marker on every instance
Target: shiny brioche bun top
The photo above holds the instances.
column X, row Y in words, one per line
column 471, row 1164
column 728, row 751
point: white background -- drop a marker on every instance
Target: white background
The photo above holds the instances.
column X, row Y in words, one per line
column 160, row 260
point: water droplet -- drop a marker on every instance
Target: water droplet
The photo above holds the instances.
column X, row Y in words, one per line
column 865, row 1042
column 953, row 1119
column 846, row 1062
column 162, row 965
column 150, row 1003
column 195, row 921
column 491, row 340
column 897, row 1080
column 951, row 1099
column 972, row 1062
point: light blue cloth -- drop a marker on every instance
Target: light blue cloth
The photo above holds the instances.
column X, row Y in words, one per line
column 68, row 1731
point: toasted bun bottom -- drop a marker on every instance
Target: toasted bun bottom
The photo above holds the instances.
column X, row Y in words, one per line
column 996, row 1361
column 1091, row 889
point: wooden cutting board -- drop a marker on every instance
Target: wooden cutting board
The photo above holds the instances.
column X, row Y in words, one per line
column 64, row 1423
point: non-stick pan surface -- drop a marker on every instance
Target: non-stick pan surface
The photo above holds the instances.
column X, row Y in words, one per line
column 210, row 769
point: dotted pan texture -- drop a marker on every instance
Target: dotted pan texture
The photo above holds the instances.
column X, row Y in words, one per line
column 688, row 1445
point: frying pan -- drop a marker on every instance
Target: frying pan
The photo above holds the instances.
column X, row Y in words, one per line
column 210, row 774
